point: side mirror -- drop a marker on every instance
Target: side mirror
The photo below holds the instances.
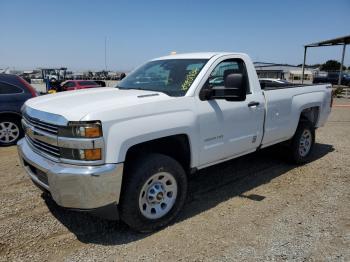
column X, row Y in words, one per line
column 234, row 89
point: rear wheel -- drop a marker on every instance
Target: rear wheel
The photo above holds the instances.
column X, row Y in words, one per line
column 10, row 131
column 154, row 192
column 302, row 142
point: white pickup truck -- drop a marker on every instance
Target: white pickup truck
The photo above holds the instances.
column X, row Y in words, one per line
column 126, row 152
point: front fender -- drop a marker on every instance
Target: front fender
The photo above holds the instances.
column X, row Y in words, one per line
column 124, row 134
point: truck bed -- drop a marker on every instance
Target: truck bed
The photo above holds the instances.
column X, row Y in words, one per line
column 285, row 104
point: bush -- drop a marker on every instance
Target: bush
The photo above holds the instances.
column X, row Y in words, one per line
column 337, row 91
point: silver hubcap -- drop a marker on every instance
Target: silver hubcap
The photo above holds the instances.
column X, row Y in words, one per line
column 305, row 143
column 158, row 195
column 9, row 132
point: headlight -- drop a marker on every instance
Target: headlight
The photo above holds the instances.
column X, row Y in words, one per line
column 81, row 129
column 81, row 154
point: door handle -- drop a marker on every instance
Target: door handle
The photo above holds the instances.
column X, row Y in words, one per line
column 253, row 103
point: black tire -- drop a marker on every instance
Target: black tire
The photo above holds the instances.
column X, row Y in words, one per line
column 14, row 121
column 136, row 176
column 297, row 156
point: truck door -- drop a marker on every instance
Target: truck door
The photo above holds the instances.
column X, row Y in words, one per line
column 229, row 128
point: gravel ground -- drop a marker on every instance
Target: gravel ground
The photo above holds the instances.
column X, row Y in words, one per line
column 254, row 208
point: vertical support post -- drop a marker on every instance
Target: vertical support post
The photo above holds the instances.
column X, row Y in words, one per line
column 341, row 65
column 303, row 69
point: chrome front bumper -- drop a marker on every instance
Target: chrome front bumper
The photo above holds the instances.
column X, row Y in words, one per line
column 73, row 186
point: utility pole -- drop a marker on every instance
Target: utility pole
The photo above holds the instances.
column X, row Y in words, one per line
column 303, row 68
column 105, row 53
column 341, row 64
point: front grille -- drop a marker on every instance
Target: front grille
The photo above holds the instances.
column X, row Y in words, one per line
column 41, row 146
column 36, row 130
column 40, row 125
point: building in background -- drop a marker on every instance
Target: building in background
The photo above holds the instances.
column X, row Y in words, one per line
column 287, row 72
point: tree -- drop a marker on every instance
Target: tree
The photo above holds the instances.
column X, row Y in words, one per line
column 331, row 65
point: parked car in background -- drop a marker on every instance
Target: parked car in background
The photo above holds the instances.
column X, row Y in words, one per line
column 78, row 84
column 14, row 91
column 332, row 78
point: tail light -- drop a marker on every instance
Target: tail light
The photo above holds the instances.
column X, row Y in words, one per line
column 29, row 87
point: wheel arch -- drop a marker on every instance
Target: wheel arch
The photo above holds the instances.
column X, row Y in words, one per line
column 175, row 146
column 307, row 113
column 310, row 114
column 5, row 114
column 306, row 107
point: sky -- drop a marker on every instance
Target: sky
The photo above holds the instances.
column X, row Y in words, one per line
column 72, row 33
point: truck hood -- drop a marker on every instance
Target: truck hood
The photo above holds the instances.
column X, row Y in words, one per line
column 74, row 105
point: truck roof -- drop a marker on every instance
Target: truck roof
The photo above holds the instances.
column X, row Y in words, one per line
column 201, row 55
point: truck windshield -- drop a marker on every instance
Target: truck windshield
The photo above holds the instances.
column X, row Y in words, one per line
column 172, row 76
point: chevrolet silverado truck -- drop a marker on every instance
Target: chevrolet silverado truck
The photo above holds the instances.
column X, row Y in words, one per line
column 126, row 152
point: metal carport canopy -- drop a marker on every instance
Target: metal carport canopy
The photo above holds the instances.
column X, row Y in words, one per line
column 345, row 40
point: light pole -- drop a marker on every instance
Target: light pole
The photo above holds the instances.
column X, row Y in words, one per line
column 105, row 53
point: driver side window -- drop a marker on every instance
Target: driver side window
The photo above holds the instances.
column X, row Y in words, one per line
column 216, row 77
column 224, row 68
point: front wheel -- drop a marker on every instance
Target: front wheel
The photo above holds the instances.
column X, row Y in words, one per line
column 302, row 142
column 154, row 192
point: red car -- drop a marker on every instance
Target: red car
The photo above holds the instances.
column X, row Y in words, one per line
column 78, row 84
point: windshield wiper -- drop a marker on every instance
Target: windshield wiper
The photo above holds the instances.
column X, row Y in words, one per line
column 137, row 88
